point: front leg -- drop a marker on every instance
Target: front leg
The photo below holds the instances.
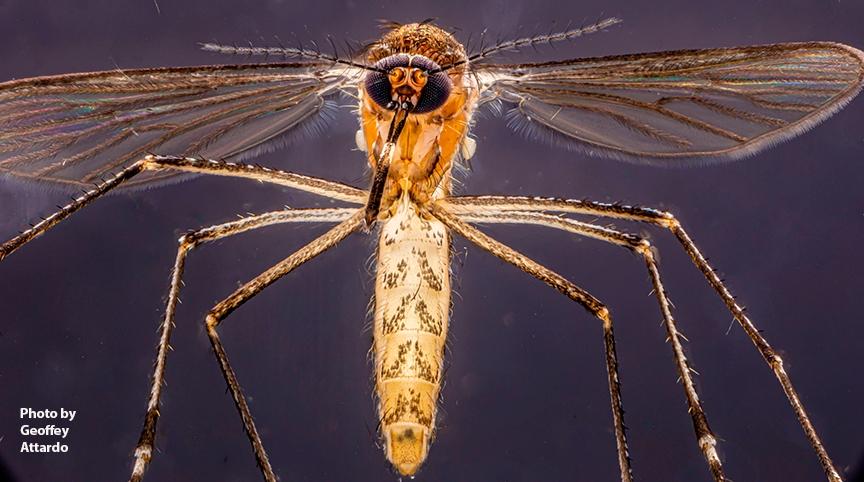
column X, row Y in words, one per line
column 330, row 189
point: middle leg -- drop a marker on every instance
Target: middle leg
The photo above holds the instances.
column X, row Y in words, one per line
column 245, row 293
column 705, row 438
column 144, row 448
column 469, row 204
column 575, row 293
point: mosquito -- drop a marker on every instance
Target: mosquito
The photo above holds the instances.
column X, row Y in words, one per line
column 417, row 90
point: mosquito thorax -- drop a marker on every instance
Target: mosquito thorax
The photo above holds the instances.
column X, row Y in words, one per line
column 419, row 69
column 423, row 39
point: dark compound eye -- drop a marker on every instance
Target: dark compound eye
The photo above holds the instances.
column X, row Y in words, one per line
column 432, row 95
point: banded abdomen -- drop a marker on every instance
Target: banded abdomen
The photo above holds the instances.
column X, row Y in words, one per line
column 412, row 303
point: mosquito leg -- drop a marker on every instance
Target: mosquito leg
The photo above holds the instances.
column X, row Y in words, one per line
column 84, row 199
column 705, row 437
column 313, row 185
column 244, row 293
column 667, row 221
column 575, row 293
column 144, row 449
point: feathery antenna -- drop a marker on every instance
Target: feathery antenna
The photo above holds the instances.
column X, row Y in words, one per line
column 285, row 52
column 516, row 44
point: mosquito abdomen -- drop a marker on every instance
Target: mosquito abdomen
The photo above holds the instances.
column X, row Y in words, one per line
column 412, row 303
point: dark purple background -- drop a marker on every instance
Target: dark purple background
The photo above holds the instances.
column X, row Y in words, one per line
column 525, row 396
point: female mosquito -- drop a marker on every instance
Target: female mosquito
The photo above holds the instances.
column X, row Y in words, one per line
column 417, row 89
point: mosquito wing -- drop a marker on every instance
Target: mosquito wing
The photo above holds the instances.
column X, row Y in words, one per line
column 74, row 129
column 728, row 102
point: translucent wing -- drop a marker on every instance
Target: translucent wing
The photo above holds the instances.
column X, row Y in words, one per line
column 727, row 102
column 73, row 129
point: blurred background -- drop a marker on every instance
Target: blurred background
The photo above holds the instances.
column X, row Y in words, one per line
column 525, row 396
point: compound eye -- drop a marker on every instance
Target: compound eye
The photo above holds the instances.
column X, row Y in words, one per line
column 436, row 90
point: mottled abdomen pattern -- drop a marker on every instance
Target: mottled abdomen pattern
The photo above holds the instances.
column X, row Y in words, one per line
column 412, row 303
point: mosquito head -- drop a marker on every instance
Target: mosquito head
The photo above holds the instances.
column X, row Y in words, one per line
column 409, row 82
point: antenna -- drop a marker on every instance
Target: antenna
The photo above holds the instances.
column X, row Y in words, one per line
column 516, row 44
column 285, row 52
